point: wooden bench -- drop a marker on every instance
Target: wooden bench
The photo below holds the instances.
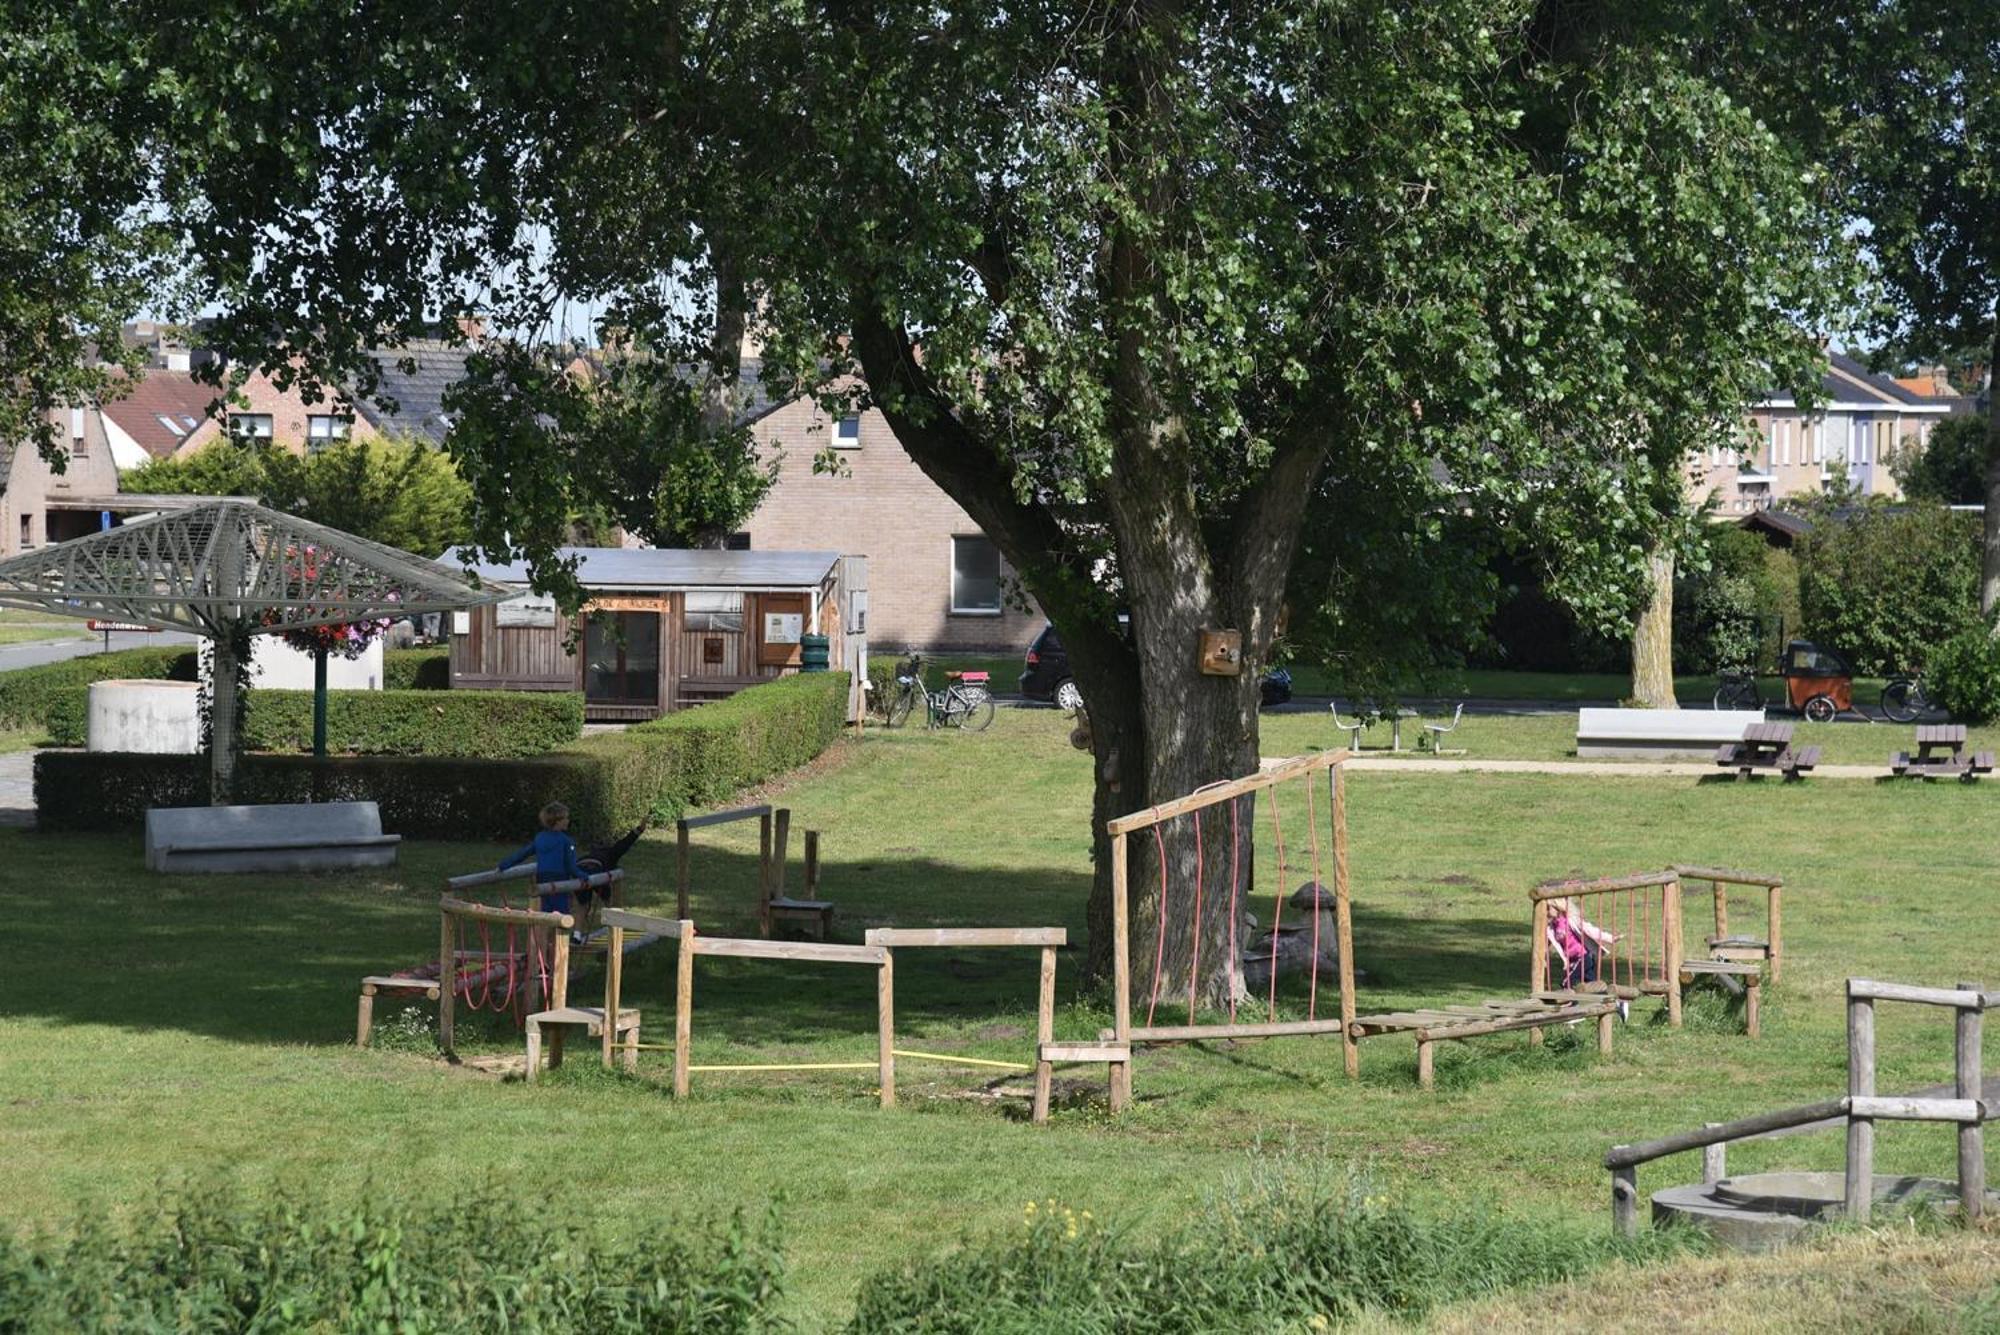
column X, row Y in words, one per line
column 1660, row 734
column 1436, row 1024
column 1941, row 754
column 282, row 836
column 1768, row 747
column 813, row 916
column 590, row 1019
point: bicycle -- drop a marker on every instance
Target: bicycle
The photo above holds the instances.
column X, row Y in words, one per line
column 964, row 703
column 1903, row 699
column 1736, row 688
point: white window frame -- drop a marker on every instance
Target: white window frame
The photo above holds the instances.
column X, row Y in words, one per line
column 842, row 441
column 714, row 612
column 999, row 607
column 339, row 428
column 269, row 421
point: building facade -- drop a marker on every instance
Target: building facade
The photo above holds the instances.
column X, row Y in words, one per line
column 935, row 580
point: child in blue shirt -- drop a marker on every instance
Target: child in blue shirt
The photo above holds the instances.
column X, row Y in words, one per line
column 555, row 857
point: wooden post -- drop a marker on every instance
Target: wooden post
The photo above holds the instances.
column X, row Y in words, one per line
column 1720, row 890
column 1121, row 972
column 1971, row 1135
column 531, row 986
column 885, row 1027
column 683, row 1008
column 559, row 969
column 1045, row 1032
column 1603, row 1033
column 1774, row 926
column 1714, row 1158
column 447, row 982
column 614, row 970
column 1860, row 1185
column 780, row 852
column 1670, row 923
column 1625, row 1201
column 764, row 873
column 811, row 890
column 1343, row 919
column 364, row 1018
column 1424, row 1063
column 1538, row 960
column 1753, row 988
column 681, row 872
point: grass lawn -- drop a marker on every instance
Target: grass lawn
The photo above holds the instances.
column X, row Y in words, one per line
column 182, row 1029
column 19, row 627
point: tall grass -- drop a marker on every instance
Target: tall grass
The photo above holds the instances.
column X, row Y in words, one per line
column 1289, row 1245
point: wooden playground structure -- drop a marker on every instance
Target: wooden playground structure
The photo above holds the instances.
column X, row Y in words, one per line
column 1858, row 1111
column 774, row 830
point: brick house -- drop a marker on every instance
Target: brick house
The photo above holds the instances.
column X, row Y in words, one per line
column 40, row 506
column 1866, row 419
column 935, row 581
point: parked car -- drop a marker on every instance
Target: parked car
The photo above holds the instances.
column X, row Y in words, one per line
column 1046, row 676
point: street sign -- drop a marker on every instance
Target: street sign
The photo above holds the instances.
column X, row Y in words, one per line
column 109, row 626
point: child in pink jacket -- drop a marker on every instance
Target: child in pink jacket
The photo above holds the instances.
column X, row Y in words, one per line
column 1576, row 941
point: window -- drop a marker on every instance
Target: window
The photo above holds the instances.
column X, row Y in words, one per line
column 712, row 612
column 847, row 434
column 76, row 425
column 250, row 426
column 323, row 428
column 737, row 542
column 975, row 576
column 1819, row 441
column 27, row 532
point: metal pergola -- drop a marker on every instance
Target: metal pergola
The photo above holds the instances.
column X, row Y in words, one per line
column 229, row 567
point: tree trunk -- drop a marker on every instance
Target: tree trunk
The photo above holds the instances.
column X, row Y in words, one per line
column 1989, row 565
column 1653, row 638
column 222, row 721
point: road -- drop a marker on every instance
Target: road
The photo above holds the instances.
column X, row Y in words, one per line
column 34, row 653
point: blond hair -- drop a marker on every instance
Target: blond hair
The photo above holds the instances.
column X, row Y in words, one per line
column 554, row 814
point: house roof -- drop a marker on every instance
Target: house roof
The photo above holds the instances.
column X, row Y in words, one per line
column 162, row 410
column 1845, row 376
column 668, row 568
column 409, row 398
column 1783, row 525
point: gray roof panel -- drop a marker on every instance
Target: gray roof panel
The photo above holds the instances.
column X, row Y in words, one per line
column 670, row 568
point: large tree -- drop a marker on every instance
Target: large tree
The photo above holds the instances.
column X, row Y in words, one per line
column 1151, row 289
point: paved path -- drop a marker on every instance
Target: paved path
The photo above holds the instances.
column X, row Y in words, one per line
column 1644, row 769
column 34, row 653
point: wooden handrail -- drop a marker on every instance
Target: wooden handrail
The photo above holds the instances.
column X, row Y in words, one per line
column 1727, row 875
column 1148, row 817
column 465, row 908
column 1630, row 1156
column 642, row 922
column 1603, row 885
column 966, row 936
column 721, row 817
column 1958, row 998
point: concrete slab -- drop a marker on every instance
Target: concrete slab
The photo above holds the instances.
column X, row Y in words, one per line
column 287, row 836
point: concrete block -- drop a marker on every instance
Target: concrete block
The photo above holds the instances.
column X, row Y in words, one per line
column 281, row 836
column 153, row 717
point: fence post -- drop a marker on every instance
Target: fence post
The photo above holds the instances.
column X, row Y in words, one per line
column 1774, row 925
column 683, row 1007
column 1121, row 974
column 447, row 982
column 1971, row 1135
column 1670, row 912
column 681, row 871
column 1860, row 1186
column 885, row 1028
column 1538, row 960
column 1625, row 1201
column 1343, row 909
column 1714, row 1159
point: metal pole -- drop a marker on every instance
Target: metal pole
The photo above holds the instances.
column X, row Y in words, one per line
column 319, row 701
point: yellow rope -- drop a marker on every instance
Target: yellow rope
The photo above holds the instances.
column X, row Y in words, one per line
column 963, row 1061
column 791, row 1066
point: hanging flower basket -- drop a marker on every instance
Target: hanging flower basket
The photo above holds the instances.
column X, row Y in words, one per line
column 342, row 641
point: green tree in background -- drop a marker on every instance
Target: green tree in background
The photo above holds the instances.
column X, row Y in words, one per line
column 401, row 492
column 1950, row 467
column 1887, row 585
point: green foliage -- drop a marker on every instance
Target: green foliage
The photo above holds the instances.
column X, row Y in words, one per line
column 610, row 781
column 1283, row 1249
column 28, row 696
column 402, row 493
column 1963, row 675
column 211, row 1261
column 1951, row 467
column 421, row 669
column 1886, row 585
column 1739, row 609
column 491, row 724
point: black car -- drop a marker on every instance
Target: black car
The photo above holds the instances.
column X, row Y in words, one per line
column 1047, row 675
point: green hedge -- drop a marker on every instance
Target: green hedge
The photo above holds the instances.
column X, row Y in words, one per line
column 427, row 669
column 28, row 694
column 216, row 1262
column 610, row 781
column 492, row 724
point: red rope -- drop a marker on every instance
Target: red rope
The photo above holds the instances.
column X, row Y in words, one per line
column 1235, row 883
column 1277, row 901
column 1194, row 968
column 1319, row 888
column 1159, row 935
column 485, row 968
column 513, row 972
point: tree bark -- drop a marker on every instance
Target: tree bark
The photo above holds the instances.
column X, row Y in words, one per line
column 1989, row 564
column 1653, row 638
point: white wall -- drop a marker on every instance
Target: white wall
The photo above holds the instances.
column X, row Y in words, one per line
column 275, row 665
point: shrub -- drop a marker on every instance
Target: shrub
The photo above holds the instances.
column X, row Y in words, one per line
column 494, row 724
column 1281, row 1251
column 427, row 669
column 212, row 1262
column 1883, row 586
column 28, row 694
column 1740, row 609
column 1964, row 675
column 610, row 781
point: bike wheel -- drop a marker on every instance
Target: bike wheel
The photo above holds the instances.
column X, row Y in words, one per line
column 1902, row 701
column 900, row 705
column 977, row 714
column 1821, row 709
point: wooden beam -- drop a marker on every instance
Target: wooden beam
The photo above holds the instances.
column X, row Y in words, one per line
column 885, row 1030
column 1343, row 921
column 721, row 817
column 447, row 981
column 1727, row 875
column 1859, row 1190
column 1968, row 1082
column 966, row 936
column 1196, row 1033
column 1602, row 886
column 1222, row 792
column 683, row 1009
column 643, row 922
column 1083, row 1052
column 1121, row 969
column 809, row 951
column 1621, row 1156
column 1916, row 1110
column 1926, row 996
column 1045, row 1032
column 464, row 908
column 681, row 871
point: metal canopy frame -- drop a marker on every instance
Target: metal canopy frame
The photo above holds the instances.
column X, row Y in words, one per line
column 225, row 568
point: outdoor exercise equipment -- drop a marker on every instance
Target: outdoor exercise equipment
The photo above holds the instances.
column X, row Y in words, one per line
column 1764, row 1209
column 774, row 829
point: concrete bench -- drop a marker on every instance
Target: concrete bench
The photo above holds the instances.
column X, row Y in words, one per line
column 291, row 836
column 1660, row 734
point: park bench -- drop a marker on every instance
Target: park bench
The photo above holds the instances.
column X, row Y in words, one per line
column 291, row 836
column 1767, row 747
column 1941, row 754
column 590, row 1019
column 1660, row 734
column 1432, row 1025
